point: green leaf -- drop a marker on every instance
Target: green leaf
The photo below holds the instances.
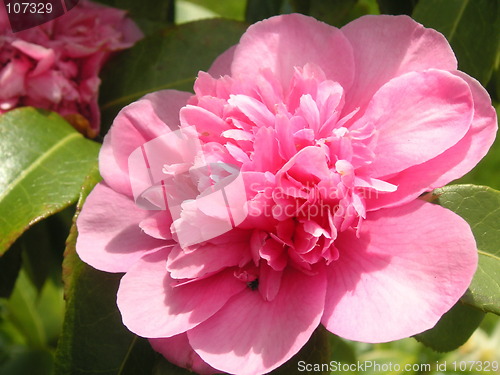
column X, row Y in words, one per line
column 396, row 6
column 34, row 315
column 260, row 9
column 39, row 250
column 10, row 336
column 486, row 171
column 453, row 329
column 233, row 9
column 163, row 367
column 50, row 309
column 43, row 246
column 31, row 318
column 37, row 253
column 471, row 26
column 150, row 15
column 495, row 86
column 94, row 340
column 317, row 350
column 10, row 264
column 332, row 12
column 24, row 361
column 168, row 61
column 22, row 312
column 343, row 355
column 188, row 12
column 72, row 264
column 362, row 8
column 44, row 162
column 387, row 362
column 480, row 207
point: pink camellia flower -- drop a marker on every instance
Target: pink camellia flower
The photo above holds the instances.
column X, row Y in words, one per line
column 284, row 194
column 55, row 66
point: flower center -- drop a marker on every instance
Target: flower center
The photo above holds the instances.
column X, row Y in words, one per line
column 298, row 155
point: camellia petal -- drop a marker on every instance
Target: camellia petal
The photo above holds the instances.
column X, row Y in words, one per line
column 61, row 60
column 252, row 336
column 158, row 225
column 222, row 64
column 207, row 258
column 45, row 57
column 178, row 351
column 478, row 139
column 280, row 44
column 153, row 306
column 109, row 235
column 387, row 46
column 12, row 79
column 393, row 282
column 454, row 162
column 151, row 116
column 419, row 115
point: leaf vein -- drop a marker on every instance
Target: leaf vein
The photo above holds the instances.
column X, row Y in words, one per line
column 457, row 20
column 36, row 163
column 489, row 255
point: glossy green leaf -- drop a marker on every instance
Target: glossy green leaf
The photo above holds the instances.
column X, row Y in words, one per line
column 471, row 26
column 397, row 6
column 453, row 329
column 44, row 162
column 168, row 61
column 480, row 207
column 94, row 340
